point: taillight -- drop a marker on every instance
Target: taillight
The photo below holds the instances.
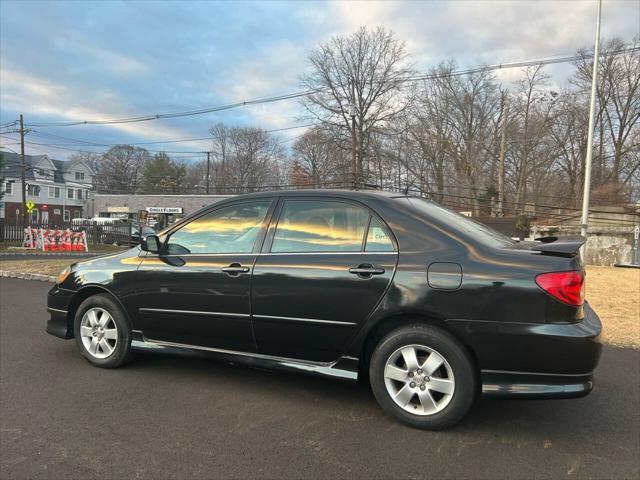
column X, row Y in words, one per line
column 568, row 287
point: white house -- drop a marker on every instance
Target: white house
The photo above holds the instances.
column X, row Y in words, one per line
column 59, row 189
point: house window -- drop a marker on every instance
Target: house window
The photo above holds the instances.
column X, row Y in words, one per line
column 86, row 194
column 33, row 190
column 54, row 192
column 79, row 196
column 79, row 175
column 70, row 193
column 67, row 215
column 8, row 188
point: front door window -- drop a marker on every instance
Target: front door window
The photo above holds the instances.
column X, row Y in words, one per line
column 231, row 229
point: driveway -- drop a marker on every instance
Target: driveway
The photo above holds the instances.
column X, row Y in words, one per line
column 177, row 417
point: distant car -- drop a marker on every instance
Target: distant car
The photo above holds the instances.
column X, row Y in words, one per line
column 431, row 307
column 119, row 235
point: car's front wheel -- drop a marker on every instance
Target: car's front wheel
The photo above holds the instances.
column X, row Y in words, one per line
column 102, row 332
column 423, row 376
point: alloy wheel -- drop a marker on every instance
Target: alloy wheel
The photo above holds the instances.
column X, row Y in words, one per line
column 99, row 332
column 419, row 379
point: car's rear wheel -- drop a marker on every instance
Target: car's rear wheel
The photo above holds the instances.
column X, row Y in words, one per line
column 102, row 332
column 422, row 376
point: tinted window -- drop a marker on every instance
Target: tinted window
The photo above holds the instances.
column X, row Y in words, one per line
column 378, row 239
column 231, row 229
column 475, row 230
column 320, row 226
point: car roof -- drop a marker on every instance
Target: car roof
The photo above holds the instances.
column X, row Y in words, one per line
column 322, row 192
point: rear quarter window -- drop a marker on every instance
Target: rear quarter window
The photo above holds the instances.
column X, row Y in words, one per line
column 469, row 227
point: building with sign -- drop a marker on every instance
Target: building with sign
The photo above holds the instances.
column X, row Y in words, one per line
column 161, row 209
column 59, row 190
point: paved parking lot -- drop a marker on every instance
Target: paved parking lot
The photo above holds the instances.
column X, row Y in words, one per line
column 174, row 417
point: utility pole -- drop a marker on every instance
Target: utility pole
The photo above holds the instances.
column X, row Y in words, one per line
column 22, row 173
column 592, row 111
column 208, row 170
column 354, row 164
column 503, row 136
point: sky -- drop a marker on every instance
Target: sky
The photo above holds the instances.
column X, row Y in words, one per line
column 88, row 60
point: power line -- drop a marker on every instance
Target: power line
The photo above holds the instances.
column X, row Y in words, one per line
column 157, row 116
column 305, row 93
column 184, row 154
column 90, row 143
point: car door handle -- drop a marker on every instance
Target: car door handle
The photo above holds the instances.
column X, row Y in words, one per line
column 235, row 269
column 366, row 270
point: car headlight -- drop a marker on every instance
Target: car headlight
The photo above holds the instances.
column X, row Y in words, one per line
column 62, row 276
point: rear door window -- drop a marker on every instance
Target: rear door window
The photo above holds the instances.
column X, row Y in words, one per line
column 378, row 238
column 320, row 226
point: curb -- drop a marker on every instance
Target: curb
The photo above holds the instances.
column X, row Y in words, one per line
column 27, row 276
column 50, row 254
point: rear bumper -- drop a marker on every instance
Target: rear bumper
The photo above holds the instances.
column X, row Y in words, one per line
column 523, row 360
column 57, row 306
column 496, row 384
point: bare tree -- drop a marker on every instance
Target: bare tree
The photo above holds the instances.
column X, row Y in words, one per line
column 316, row 157
column 220, row 134
column 618, row 95
column 474, row 103
column 245, row 159
column 569, row 132
column 120, row 169
column 367, row 70
column 430, row 132
column 533, row 114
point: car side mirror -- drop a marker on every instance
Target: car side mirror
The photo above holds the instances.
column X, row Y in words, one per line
column 151, row 243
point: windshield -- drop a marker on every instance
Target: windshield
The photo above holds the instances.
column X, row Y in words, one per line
column 478, row 231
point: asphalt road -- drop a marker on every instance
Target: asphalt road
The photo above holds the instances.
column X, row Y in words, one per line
column 173, row 417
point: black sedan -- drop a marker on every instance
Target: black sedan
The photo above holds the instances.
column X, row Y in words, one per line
column 431, row 307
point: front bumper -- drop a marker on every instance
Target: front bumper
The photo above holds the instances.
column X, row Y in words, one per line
column 58, row 324
column 525, row 360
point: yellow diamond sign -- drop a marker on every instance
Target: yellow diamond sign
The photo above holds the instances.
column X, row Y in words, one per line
column 30, row 206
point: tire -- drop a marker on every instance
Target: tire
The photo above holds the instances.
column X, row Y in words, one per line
column 91, row 328
column 435, row 398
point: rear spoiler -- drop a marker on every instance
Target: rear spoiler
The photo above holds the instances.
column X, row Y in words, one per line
column 565, row 246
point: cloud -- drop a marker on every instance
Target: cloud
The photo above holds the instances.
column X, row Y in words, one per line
column 492, row 31
column 275, row 70
column 61, row 102
column 86, row 60
column 117, row 63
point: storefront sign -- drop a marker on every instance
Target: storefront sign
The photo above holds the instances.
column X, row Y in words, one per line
column 164, row 209
column 118, row 209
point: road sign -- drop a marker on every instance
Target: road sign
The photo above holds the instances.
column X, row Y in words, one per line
column 30, row 206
